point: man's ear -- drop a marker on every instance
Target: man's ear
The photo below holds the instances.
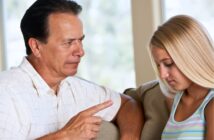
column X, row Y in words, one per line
column 35, row 46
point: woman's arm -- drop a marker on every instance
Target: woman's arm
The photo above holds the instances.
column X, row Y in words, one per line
column 209, row 116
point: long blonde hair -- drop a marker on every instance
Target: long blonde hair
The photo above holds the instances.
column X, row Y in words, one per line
column 190, row 47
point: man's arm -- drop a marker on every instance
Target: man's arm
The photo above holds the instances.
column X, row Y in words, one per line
column 130, row 119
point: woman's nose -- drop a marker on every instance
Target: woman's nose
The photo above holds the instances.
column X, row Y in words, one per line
column 163, row 72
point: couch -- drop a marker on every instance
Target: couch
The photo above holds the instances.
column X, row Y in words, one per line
column 155, row 111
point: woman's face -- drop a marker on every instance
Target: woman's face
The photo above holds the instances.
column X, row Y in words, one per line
column 168, row 71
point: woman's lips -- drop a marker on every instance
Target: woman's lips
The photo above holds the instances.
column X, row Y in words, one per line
column 171, row 82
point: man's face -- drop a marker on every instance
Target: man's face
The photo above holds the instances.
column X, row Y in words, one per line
column 63, row 51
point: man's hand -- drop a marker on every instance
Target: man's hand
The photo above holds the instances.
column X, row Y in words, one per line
column 83, row 126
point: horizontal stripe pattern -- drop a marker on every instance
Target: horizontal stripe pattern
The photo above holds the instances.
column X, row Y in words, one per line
column 193, row 128
column 186, row 131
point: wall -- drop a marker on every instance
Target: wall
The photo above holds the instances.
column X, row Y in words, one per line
column 146, row 15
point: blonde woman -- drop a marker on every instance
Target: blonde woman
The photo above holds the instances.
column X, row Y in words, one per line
column 183, row 57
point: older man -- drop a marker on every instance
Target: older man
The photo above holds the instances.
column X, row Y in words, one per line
column 42, row 99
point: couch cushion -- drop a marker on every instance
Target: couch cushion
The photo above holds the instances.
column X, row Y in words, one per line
column 155, row 109
column 108, row 131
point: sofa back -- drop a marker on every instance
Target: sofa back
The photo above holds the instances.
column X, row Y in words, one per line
column 154, row 106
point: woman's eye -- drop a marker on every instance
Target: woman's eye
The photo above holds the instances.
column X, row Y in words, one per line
column 169, row 64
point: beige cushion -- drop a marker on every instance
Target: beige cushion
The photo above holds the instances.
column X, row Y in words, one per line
column 155, row 110
column 108, row 132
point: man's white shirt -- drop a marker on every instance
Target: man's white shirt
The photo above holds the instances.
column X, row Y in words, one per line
column 30, row 109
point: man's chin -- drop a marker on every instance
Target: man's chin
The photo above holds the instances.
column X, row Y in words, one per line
column 71, row 73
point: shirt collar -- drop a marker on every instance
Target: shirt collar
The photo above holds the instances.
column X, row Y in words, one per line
column 38, row 82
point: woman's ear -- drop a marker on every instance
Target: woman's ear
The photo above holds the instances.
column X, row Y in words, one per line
column 35, row 46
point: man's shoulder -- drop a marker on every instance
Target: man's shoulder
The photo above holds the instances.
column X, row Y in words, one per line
column 83, row 84
column 11, row 76
column 7, row 74
column 80, row 81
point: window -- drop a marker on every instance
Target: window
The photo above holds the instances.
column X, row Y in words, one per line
column 108, row 43
column 202, row 10
column 14, row 43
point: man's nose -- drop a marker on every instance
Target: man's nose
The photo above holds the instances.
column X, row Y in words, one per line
column 80, row 51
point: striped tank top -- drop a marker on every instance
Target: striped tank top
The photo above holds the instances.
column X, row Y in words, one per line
column 193, row 128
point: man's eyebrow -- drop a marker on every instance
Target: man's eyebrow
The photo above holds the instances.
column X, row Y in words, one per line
column 82, row 37
column 72, row 39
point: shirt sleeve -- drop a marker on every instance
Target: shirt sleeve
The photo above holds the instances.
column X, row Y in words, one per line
column 86, row 94
column 109, row 113
column 11, row 125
